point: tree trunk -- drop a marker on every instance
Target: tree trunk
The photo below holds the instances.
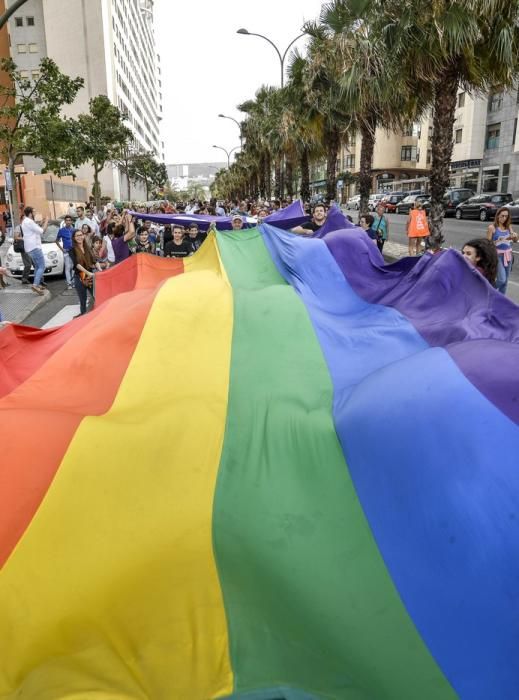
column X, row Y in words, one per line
column 367, row 130
column 128, row 187
column 289, row 178
column 13, row 194
column 268, row 176
column 446, row 90
column 262, row 178
column 277, row 178
column 97, row 188
column 332, row 150
column 305, row 176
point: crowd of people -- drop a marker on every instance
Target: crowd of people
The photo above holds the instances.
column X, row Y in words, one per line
column 94, row 240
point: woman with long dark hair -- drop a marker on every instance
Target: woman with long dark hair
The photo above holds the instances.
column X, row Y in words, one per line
column 501, row 234
column 84, row 266
column 481, row 253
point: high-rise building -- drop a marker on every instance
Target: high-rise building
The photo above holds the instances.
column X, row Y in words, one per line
column 111, row 45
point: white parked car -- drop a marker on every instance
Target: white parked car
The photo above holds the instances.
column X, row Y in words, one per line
column 353, row 202
column 374, row 199
column 54, row 263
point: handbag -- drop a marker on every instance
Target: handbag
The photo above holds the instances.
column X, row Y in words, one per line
column 18, row 244
column 86, row 280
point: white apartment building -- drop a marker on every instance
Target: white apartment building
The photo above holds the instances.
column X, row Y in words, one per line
column 111, row 45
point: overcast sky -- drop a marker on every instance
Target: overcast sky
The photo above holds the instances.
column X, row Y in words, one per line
column 208, row 69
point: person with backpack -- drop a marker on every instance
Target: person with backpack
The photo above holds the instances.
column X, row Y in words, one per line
column 381, row 225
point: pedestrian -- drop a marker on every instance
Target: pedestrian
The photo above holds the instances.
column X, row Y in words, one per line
column 195, row 237
column 481, row 254
column 416, row 228
column 236, row 222
column 381, row 226
column 178, row 247
column 32, row 235
column 501, row 234
column 122, row 234
column 64, row 243
column 366, row 223
column 84, row 266
column 319, row 214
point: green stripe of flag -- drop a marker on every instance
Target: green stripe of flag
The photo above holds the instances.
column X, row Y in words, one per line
column 310, row 604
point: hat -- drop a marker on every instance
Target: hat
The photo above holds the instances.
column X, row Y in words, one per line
column 236, row 216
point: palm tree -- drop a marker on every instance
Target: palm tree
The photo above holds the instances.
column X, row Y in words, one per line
column 324, row 70
column 371, row 89
column 301, row 124
column 445, row 45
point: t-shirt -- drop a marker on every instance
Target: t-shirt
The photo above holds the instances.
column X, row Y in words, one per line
column 147, row 247
column 32, row 234
column 195, row 243
column 65, row 235
column 109, row 249
column 172, row 250
column 120, row 248
column 380, row 226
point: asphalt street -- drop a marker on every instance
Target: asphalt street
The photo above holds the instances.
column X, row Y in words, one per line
column 456, row 234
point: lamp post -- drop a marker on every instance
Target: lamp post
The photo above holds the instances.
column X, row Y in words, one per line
column 281, row 57
column 8, row 13
column 227, row 153
column 224, row 116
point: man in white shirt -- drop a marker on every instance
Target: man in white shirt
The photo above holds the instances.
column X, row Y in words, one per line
column 32, row 234
column 82, row 219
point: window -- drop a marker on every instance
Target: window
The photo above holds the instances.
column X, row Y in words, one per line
column 505, row 177
column 495, row 102
column 429, row 157
column 35, row 74
column 408, row 130
column 21, row 48
column 24, row 74
column 461, row 100
column 349, row 161
column 490, row 181
column 492, row 139
column 515, row 132
column 18, row 21
column 408, row 153
column 459, row 135
column 33, row 48
column 30, row 21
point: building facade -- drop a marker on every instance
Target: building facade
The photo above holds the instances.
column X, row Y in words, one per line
column 111, row 45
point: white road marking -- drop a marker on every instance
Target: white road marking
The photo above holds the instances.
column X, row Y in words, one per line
column 63, row 316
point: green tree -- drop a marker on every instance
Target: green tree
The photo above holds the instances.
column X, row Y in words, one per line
column 145, row 168
column 324, row 72
column 446, row 45
column 31, row 121
column 101, row 137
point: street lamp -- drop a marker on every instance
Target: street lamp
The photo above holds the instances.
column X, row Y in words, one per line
column 224, row 116
column 227, row 153
column 281, row 57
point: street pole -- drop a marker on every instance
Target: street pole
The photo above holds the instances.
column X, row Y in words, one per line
column 227, row 153
column 223, row 116
column 7, row 14
column 281, row 57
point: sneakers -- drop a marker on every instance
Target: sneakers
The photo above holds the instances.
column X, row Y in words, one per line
column 36, row 289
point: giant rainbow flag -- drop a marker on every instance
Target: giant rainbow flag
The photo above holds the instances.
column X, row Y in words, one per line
column 276, row 469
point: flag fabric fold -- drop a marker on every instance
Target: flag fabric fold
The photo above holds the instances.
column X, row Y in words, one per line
column 276, row 469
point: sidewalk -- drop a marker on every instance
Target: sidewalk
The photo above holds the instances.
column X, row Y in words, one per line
column 18, row 300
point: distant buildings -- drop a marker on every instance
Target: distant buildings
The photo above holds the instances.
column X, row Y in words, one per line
column 485, row 154
column 111, row 45
column 190, row 176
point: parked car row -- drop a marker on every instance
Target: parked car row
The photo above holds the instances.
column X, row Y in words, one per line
column 460, row 202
